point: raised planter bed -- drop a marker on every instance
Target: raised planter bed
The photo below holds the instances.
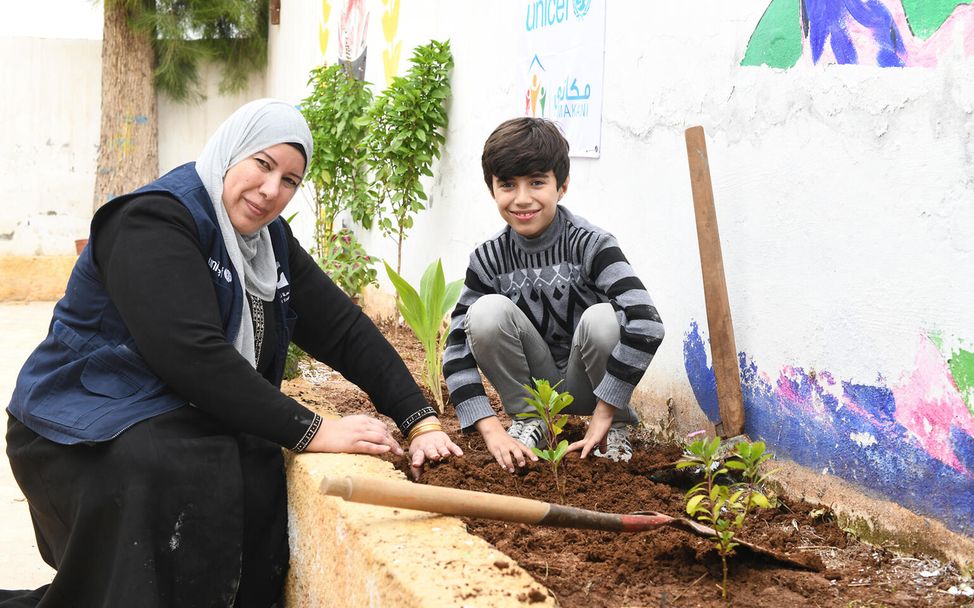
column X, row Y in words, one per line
column 666, row 567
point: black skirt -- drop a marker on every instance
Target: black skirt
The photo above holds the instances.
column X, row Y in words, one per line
column 175, row 511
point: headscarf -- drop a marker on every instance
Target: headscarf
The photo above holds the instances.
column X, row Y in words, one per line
column 255, row 126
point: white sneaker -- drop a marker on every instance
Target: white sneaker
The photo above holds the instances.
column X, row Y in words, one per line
column 618, row 448
column 529, row 431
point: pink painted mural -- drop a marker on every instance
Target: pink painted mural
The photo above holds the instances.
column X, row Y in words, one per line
column 884, row 33
column 909, row 438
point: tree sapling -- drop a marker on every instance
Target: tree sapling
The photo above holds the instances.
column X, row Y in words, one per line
column 725, row 507
column 548, row 404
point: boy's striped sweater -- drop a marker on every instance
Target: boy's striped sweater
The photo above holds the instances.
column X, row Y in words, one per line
column 553, row 279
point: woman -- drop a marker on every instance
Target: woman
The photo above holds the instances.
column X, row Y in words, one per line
column 146, row 429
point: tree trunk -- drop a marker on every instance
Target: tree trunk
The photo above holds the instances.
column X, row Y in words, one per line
column 128, row 149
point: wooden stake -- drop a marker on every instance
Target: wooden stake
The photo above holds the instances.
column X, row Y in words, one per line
column 722, row 346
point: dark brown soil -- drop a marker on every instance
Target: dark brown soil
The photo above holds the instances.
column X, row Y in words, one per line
column 664, row 567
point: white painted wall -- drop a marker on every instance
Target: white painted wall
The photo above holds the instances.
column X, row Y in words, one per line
column 844, row 193
column 50, row 118
column 49, row 113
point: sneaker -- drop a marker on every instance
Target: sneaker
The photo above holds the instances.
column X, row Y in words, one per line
column 529, row 431
column 618, row 448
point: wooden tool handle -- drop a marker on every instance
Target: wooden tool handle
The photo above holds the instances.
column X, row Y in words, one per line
column 722, row 346
column 448, row 501
column 466, row 503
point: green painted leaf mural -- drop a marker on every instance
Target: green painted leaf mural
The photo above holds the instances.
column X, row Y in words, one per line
column 777, row 40
column 926, row 16
column 960, row 362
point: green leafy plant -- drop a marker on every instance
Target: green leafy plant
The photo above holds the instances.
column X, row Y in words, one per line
column 725, row 507
column 425, row 313
column 344, row 260
column 292, row 368
column 338, row 173
column 548, row 404
column 748, row 459
column 405, row 132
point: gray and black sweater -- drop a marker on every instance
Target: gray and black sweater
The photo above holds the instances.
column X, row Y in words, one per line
column 553, row 279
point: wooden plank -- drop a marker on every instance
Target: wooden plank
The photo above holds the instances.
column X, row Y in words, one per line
column 722, row 346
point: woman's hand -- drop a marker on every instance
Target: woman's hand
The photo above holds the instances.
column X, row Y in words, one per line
column 358, row 434
column 434, row 446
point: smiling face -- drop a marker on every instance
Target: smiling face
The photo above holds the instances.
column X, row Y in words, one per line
column 257, row 189
column 529, row 202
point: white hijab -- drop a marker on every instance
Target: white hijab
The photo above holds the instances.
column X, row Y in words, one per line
column 256, row 126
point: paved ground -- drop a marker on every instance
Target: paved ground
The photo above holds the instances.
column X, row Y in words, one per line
column 22, row 327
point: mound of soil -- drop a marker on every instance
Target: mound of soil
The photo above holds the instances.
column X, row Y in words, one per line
column 664, row 567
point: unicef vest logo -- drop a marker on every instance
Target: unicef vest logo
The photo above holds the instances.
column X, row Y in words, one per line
column 580, row 8
column 220, row 271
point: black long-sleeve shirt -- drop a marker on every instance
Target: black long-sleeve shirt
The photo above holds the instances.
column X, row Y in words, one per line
column 149, row 257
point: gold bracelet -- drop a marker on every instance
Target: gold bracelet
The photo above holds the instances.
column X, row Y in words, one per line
column 423, row 428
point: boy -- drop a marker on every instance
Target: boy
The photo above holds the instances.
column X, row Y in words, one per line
column 550, row 296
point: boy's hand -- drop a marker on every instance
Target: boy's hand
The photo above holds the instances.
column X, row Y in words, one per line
column 505, row 449
column 598, row 428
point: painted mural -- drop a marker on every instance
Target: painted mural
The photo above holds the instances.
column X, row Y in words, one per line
column 353, row 32
column 390, row 28
column 909, row 439
column 323, row 33
column 884, row 33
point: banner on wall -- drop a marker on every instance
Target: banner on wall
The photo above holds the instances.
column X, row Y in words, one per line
column 562, row 51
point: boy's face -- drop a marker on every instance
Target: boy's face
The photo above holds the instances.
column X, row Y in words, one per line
column 528, row 203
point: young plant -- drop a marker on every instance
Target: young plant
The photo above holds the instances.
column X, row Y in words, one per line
column 344, row 260
column 425, row 313
column 548, row 404
column 338, row 173
column 748, row 459
column 724, row 507
column 405, row 132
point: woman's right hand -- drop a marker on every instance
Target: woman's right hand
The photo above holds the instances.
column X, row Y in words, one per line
column 358, row 434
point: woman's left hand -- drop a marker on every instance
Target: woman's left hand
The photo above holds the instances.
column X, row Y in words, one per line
column 435, row 446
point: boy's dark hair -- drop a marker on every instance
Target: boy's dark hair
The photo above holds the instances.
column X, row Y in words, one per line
column 525, row 146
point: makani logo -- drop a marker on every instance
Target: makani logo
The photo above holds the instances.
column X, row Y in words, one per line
column 536, row 96
column 220, row 271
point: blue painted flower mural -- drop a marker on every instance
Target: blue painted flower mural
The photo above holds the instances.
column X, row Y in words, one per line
column 886, row 33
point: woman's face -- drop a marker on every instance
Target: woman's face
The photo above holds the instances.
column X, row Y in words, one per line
column 257, row 189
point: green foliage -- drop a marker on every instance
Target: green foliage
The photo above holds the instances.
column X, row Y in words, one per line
column 725, row 507
column 294, row 356
column 346, row 262
column 338, row 173
column 425, row 313
column 406, row 124
column 186, row 33
column 548, row 404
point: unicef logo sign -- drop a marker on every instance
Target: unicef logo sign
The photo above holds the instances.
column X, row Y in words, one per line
column 549, row 13
column 580, row 8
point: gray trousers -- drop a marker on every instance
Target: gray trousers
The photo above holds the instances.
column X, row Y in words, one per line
column 510, row 352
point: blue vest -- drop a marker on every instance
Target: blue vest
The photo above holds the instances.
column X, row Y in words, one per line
column 87, row 381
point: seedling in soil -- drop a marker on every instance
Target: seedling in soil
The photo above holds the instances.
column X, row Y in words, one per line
column 548, row 404
column 725, row 507
column 425, row 313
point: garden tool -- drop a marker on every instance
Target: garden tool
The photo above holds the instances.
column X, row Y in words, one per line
column 723, row 350
column 483, row 505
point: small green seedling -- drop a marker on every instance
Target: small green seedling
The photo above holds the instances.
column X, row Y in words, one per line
column 425, row 312
column 725, row 507
column 548, row 404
